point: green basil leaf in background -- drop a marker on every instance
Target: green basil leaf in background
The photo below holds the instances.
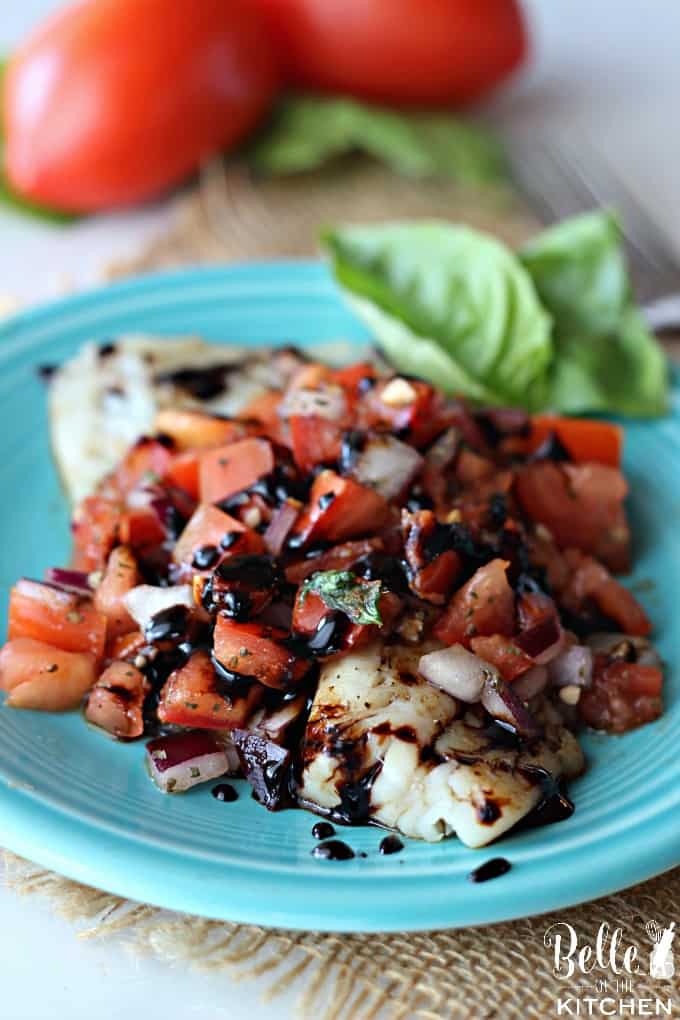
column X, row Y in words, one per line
column 554, row 327
column 448, row 303
column 342, row 590
column 605, row 357
column 308, row 131
column 9, row 197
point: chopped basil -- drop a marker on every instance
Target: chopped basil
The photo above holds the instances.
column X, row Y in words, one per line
column 343, row 590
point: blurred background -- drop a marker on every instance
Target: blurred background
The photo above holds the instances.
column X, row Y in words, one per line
column 606, row 72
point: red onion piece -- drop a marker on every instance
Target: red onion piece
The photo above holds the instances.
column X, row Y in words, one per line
column 75, row 582
column 387, row 465
column 457, row 671
column 275, row 725
column 572, row 667
column 531, row 683
column 266, row 766
column 541, row 641
column 444, row 449
column 145, row 601
column 280, row 526
column 178, row 762
column 501, row 702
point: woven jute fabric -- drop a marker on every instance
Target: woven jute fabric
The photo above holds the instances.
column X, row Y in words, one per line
column 503, row 971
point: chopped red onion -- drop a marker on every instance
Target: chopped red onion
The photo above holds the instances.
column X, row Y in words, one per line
column 280, row 526
column 324, row 401
column 387, row 465
column 274, row 725
column 543, row 640
column 504, row 705
column 531, row 683
column 572, row 667
column 178, row 762
column 444, row 449
column 145, row 601
column 76, row 582
column 457, row 671
column 266, row 766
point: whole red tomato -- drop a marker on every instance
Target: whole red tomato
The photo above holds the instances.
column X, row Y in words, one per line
column 114, row 101
column 409, row 52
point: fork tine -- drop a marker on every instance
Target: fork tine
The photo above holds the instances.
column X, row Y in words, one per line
column 648, row 250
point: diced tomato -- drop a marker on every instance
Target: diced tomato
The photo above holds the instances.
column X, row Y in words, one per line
column 183, row 472
column 127, row 646
column 141, row 527
column 232, row 468
column 583, row 439
column 191, row 696
column 623, row 695
column 485, row 605
column 338, row 509
column 38, row 676
column 314, row 440
column 311, row 610
column 262, row 415
column 591, row 581
column 581, row 505
column 356, row 379
column 253, row 650
column 197, row 430
column 472, row 467
column 95, row 530
column 501, row 652
column 148, row 458
column 209, row 526
column 58, row 618
column 120, row 576
column 418, row 418
column 116, row 701
column 341, row 557
column 432, row 568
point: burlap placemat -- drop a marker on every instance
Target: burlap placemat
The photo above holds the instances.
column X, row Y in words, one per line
column 503, row 971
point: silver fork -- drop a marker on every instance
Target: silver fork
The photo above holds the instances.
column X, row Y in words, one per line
column 560, row 179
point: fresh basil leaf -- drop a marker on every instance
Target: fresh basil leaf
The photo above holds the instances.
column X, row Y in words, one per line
column 605, row 357
column 553, row 327
column 342, row 590
column 451, row 304
column 309, row 131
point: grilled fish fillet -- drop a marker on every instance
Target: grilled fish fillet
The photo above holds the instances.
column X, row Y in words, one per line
column 382, row 744
column 108, row 395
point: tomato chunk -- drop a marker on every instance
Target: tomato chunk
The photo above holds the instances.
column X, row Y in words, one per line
column 338, row 509
column 141, row 528
column 147, row 460
column 314, row 440
column 95, row 529
column 183, row 473
column 310, row 611
column 232, row 468
column 39, row 676
column 58, row 618
column 590, row 582
column 253, row 650
column 210, row 526
column 116, row 701
column 120, row 576
column 501, row 652
column 196, row 430
column 485, row 605
column 582, row 507
column 583, row 439
column 623, row 695
column 192, row 696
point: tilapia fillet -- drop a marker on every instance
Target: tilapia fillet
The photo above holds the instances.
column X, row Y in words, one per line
column 382, row 744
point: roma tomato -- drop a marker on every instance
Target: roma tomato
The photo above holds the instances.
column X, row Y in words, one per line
column 419, row 52
column 114, row 101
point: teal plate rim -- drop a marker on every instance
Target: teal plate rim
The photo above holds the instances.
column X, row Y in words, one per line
column 131, row 843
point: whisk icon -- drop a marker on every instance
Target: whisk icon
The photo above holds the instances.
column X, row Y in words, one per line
column 661, row 963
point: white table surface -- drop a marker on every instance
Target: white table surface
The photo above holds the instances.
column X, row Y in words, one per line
column 610, row 68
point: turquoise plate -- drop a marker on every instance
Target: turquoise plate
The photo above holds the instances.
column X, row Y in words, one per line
column 76, row 802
